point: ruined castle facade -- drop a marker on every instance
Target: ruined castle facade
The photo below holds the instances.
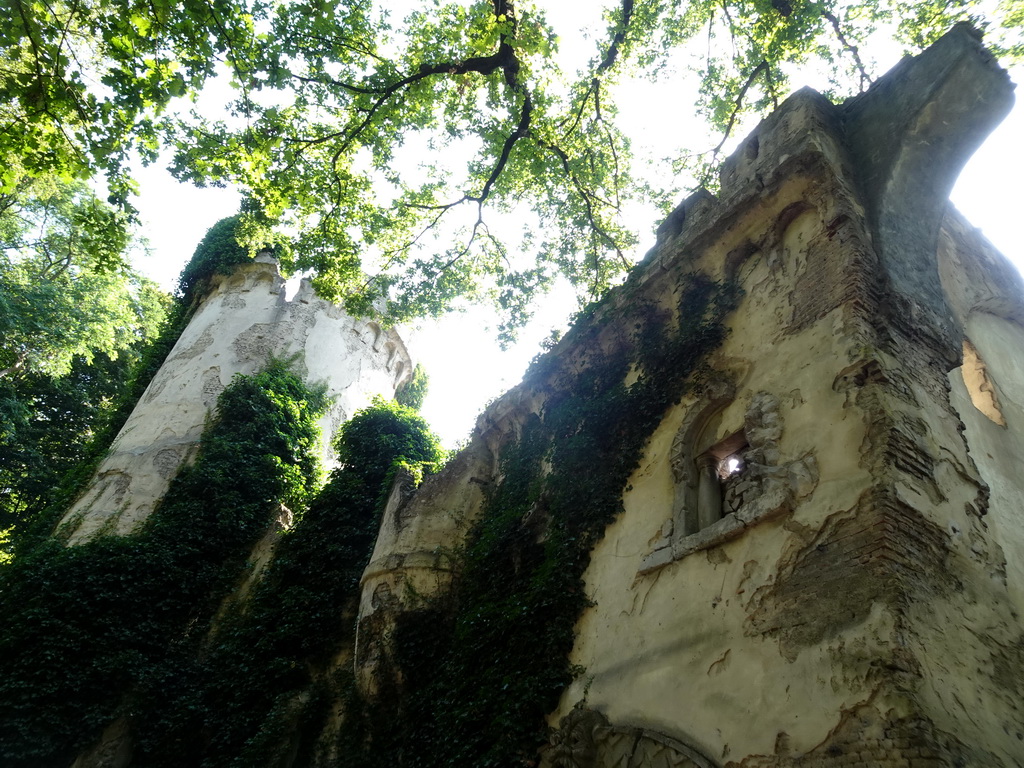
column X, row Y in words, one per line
column 819, row 559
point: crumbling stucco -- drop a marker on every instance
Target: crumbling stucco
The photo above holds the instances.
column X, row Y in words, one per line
column 242, row 322
column 872, row 615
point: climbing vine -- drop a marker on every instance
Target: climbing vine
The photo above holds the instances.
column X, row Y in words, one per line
column 90, row 632
column 217, row 253
column 480, row 669
column 273, row 666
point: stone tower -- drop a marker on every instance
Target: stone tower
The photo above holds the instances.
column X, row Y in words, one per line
column 243, row 320
column 820, row 558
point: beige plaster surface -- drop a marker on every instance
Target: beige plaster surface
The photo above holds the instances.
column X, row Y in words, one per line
column 999, row 451
column 243, row 321
column 673, row 650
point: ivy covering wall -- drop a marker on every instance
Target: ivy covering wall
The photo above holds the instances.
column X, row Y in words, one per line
column 477, row 671
column 95, row 632
column 264, row 690
column 149, row 631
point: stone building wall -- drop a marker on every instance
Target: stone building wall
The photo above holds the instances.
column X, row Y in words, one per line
column 852, row 595
column 243, row 320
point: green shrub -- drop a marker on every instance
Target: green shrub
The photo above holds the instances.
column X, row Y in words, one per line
column 90, row 632
column 217, row 252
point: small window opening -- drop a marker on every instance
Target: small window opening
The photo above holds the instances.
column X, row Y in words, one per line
column 729, row 454
column 718, row 469
column 731, row 465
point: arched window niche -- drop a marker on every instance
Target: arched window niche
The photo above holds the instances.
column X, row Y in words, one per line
column 697, row 460
column 724, row 485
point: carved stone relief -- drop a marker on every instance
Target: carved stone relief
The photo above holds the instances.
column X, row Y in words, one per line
column 585, row 739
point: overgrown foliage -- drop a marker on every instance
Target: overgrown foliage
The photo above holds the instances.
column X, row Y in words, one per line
column 413, row 392
column 218, row 251
column 296, row 625
column 46, row 427
column 98, row 631
column 480, row 670
column 336, row 104
column 74, row 322
column 122, row 627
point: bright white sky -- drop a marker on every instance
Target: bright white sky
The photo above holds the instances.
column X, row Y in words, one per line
column 466, row 367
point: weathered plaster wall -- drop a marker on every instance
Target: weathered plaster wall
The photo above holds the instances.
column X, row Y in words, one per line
column 986, row 294
column 977, row 680
column 862, row 605
column 872, row 622
column 422, row 529
column 764, row 644
column 242, row 321
column 696, row 637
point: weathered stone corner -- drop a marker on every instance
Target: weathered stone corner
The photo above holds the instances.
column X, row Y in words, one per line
column 909, row 137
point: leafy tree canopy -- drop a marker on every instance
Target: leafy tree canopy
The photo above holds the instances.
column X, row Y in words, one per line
column 331, row 99
column 46, row 427
column 73, row 320
column 65, row 290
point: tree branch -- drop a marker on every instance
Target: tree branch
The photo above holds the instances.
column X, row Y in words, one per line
column 506, row 150
column 18, row 364
column 738, row 104
column 355, row 47
column 586, row 197
column 522, row 129
column 853, row 50
column 620, row 36
column 607, row 62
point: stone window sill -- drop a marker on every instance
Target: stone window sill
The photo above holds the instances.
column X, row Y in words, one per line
column 667, row 551
column 777, row 495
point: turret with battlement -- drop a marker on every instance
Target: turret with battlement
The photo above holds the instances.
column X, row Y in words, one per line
column 243, row 320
